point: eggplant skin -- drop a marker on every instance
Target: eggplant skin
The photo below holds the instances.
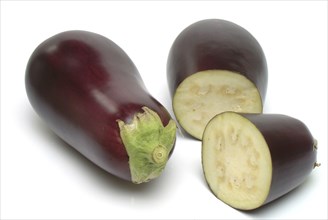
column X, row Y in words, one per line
column 216, row 44
column 292, row 147
column 80, row 83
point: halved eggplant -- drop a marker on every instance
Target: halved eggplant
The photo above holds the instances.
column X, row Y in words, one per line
column 252, row 159
column 215, row 66
column 90, row 93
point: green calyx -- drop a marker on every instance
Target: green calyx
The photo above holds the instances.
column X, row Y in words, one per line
column 148, row 144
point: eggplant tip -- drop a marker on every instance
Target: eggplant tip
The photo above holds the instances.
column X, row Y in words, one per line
column 315, row 144
column 316, row 164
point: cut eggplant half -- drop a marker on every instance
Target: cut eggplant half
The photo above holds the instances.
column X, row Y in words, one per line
column 252, row 159
column 215, row 66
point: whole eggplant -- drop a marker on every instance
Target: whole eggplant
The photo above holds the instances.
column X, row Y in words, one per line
column 252, row 159
column 90, row 93
column 214, row 66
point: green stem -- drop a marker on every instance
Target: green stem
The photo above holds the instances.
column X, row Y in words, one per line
column 160, row 154
column 148, row 144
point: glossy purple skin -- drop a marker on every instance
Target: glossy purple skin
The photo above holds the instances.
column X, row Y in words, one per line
column 292, row 150
column 216, row 44
column 80, row 83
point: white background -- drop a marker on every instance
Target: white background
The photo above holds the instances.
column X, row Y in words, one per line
column 43, row 178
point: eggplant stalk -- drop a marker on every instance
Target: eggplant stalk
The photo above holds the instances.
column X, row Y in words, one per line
column 148, row 144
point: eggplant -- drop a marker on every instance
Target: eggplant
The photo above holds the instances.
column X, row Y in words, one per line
column 90, row 93
column 252, row 159
column 215, row 66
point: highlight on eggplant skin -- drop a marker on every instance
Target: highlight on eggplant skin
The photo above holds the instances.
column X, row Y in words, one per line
column 90, row 93
column 250, row 160
column 214, row 66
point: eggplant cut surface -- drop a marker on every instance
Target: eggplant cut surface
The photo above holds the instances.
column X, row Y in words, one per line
column 252, row 159
column 204, row 94
column 215, row 66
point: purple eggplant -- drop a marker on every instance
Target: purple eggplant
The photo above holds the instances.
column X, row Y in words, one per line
column 90, row 93
column 215, row 66
column 252, row 159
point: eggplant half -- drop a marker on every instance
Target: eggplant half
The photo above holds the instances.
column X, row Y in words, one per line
column 90, row 93
column 252, row 159
column 215, row 66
